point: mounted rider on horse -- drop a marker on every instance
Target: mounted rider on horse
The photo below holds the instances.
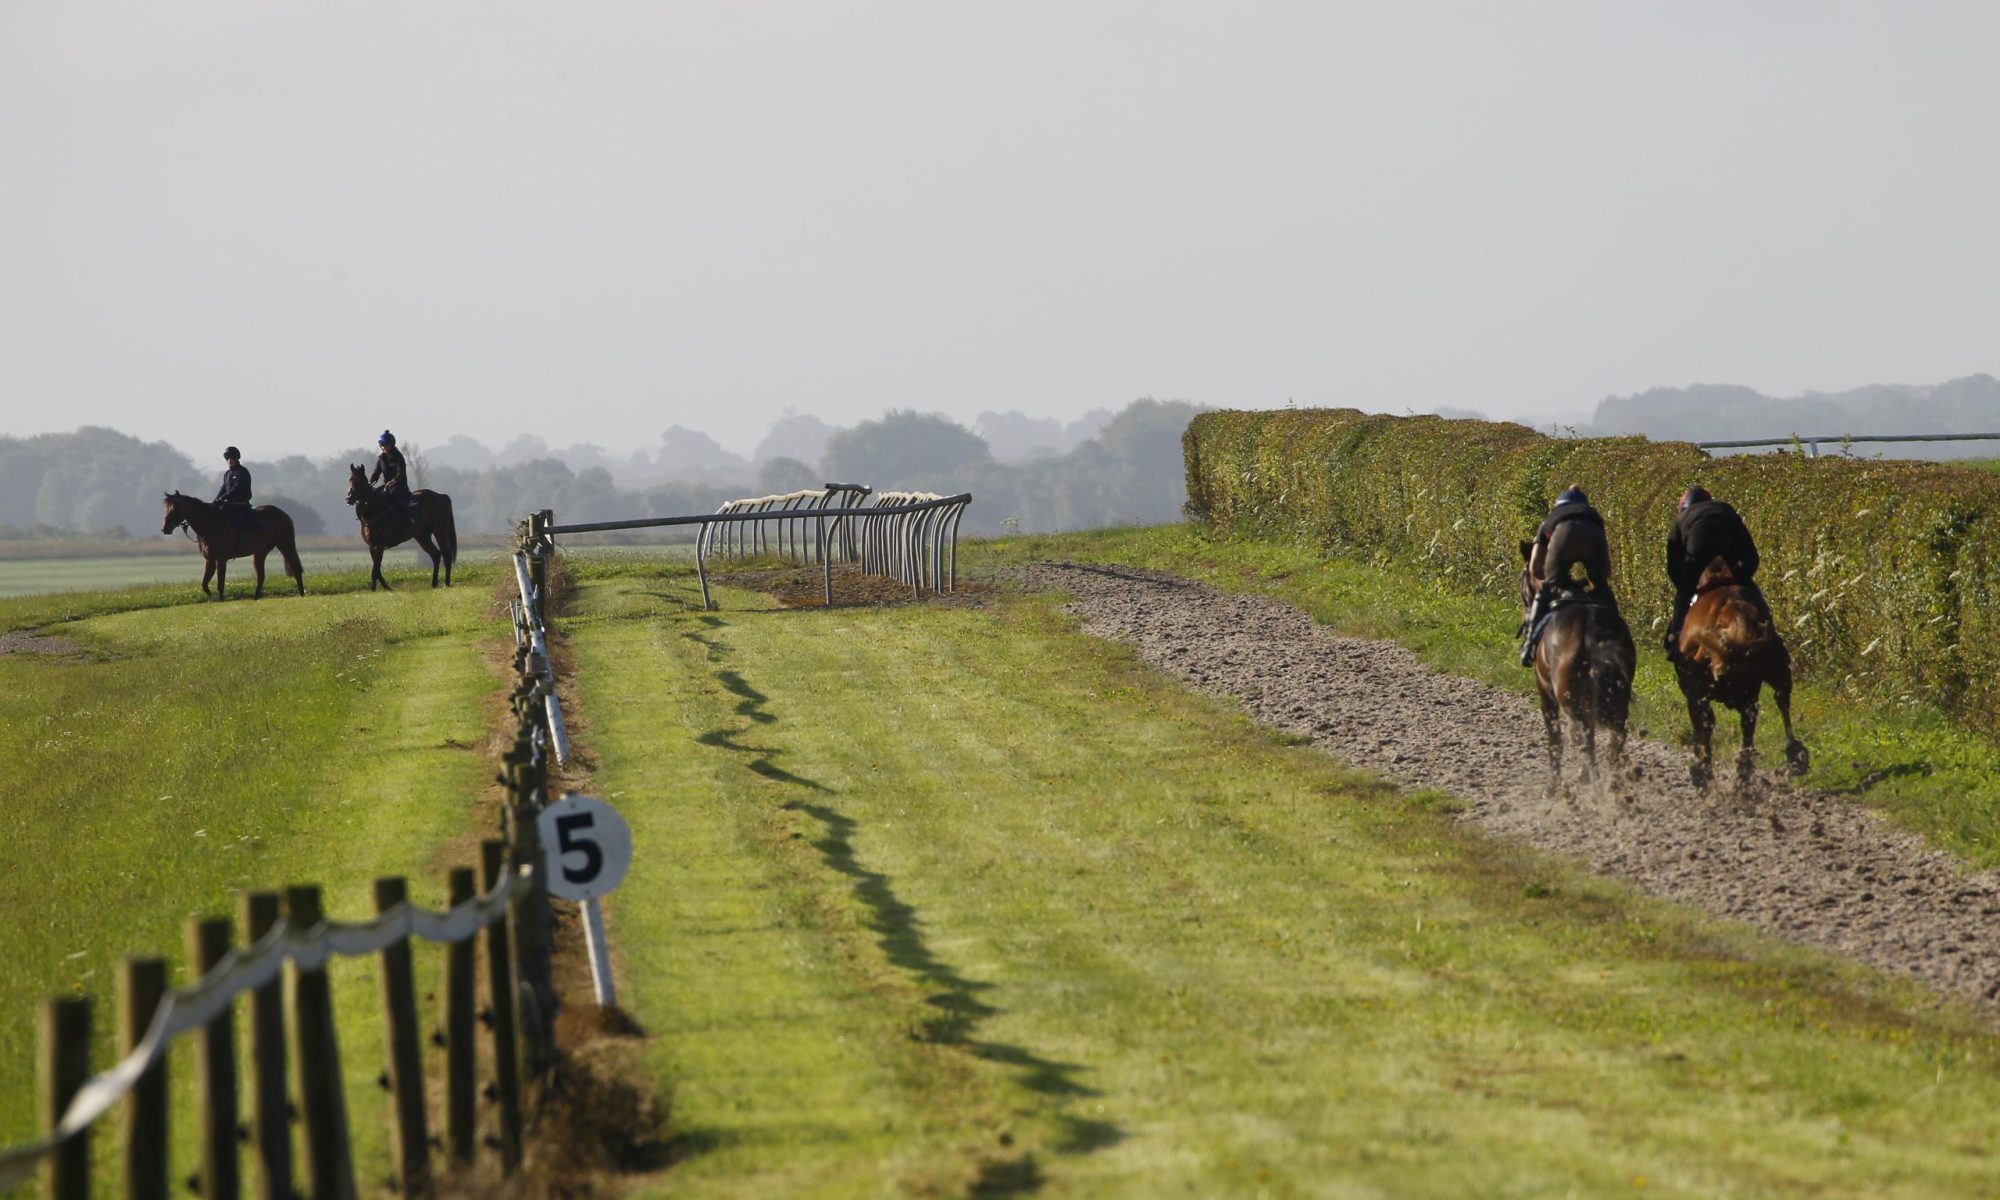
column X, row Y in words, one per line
column 1706, row 529
column 234, row 497
column 394, row 474
column 1571, row 536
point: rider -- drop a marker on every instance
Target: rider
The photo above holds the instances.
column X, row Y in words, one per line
column 234, row 498
column 1571, row 535
column 394, row 474
column 1705, row 530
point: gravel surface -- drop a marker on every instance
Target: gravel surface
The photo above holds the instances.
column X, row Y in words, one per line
column 1813, row 867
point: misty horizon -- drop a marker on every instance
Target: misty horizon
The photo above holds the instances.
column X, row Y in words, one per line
column 294, row 225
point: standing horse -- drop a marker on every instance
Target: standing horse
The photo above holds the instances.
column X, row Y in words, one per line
column 1584, row 660
column 384, row 523
column 1729, row 649
column 221, row 538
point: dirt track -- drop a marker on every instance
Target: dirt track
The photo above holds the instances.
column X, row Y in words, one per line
column 1810, row 866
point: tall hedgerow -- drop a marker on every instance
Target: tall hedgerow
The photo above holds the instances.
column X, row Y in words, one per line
column 1884, row 575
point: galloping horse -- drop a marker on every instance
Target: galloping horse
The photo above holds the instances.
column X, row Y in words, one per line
column 221, row 538
column 1728, row 650
column 1583, row 670
column 385, row 524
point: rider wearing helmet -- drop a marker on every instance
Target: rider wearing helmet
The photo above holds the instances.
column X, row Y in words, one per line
column 235, row 491
column 1571, row 535
column 394, row 474
column 1705, row 529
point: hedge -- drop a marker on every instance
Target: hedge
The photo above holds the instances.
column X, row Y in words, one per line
column 1883, row 575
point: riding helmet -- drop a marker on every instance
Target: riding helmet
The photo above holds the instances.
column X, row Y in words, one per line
column 231, row 452
column 1694, row 495
column 387, row 439
column 1572, row 495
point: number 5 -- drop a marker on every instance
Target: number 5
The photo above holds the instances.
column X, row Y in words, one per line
column 567, row 844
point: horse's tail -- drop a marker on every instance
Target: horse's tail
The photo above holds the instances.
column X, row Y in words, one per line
column 285, row 535
column 1610, row 661
column 447, row 529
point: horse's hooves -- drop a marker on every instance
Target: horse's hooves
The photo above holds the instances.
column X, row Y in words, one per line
column 1797, row 759
column 1700, row 776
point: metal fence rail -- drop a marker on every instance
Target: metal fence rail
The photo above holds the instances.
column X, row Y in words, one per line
column 910, row 536
column 1812, row 444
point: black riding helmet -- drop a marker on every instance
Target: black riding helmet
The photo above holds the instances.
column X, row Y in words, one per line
column 231, row 452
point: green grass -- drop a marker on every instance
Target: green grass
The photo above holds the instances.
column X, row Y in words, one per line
column 1909, row 762
column 182, row 571
column 192, row 752
column 955, row 901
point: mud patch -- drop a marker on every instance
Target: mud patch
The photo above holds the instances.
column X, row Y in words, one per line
column 805, row 587
column 1809, row 866
column 27, row 641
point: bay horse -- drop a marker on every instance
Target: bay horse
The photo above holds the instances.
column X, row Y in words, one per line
column 1729, row 649
column 221, row 538
column 384, row 523
column 1584, row 659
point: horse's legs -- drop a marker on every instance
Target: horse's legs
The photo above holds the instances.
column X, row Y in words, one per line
column 1746, row 758
column 207, row 573
column 437, row 556
column 258, row 561
column 376, row 576
column 221, row 579
column 1702, row 717
column 1552, row 726
column 1796, row 758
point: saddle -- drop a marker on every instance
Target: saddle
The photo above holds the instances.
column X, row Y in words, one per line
column 1566, row 598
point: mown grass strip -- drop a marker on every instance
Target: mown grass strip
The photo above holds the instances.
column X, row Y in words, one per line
column 948, row 900
column 190, row 752
column 1909, row 761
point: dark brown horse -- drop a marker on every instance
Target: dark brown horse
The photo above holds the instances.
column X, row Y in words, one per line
column 1729, row 649
column 385, row 523
column 221, row 538
column 1583, row 670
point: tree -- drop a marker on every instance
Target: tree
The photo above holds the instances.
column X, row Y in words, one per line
column 904, row 450
column 781, row 475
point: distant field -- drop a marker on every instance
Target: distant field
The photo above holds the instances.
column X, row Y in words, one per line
column 37, row 576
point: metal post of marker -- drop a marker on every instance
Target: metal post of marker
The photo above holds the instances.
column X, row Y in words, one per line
column 586, row 850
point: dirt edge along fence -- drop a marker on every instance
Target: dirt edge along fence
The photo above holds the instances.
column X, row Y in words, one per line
column 292, row 1068
column 908, row 536
column 1884, row 574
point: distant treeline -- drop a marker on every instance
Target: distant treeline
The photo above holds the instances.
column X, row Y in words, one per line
column 1710, row 412
column 1112, row 470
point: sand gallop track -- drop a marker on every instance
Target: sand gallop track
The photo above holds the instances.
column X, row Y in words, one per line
column 1812, row 867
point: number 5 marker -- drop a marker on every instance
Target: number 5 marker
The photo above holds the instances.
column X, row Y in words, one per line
column 586, row 850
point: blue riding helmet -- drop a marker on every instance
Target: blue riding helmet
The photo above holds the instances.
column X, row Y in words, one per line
column 1572, row 495
column 1694, row 495
column 387, row 439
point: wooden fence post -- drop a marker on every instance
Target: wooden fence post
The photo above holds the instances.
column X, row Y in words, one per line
column 270, row 1111
column 405, row 1043
column 215, row 1069
column 500, row 998
column 65, row 1065
column 142, row 983
column 329, row 1158
column 459, row 1049
column 533, row 926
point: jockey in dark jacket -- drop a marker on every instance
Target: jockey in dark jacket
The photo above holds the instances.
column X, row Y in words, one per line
column 394, row 474
column 1571, row 535
column 1705, row 530
column 235, row 481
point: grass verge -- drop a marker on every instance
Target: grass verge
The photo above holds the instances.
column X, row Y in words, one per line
column 1906, row 761
column 185, row 754
column 955, row 901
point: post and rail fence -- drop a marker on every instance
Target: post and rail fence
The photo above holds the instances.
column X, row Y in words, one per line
column 292, row 1073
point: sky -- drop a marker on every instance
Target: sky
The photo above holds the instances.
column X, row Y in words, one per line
column 290, row 225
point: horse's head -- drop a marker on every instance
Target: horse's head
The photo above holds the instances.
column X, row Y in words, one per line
column 357, row 483
column 174, row 516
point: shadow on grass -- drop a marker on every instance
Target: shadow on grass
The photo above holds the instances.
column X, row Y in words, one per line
column 956, row 998
column 750, row 705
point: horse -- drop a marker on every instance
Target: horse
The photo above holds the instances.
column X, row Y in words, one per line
column 1584, row 658
column 384, row 523
column 1728, row 650
column 221, row 539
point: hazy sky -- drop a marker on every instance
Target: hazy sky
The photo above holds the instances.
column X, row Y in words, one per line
column 287, row 225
